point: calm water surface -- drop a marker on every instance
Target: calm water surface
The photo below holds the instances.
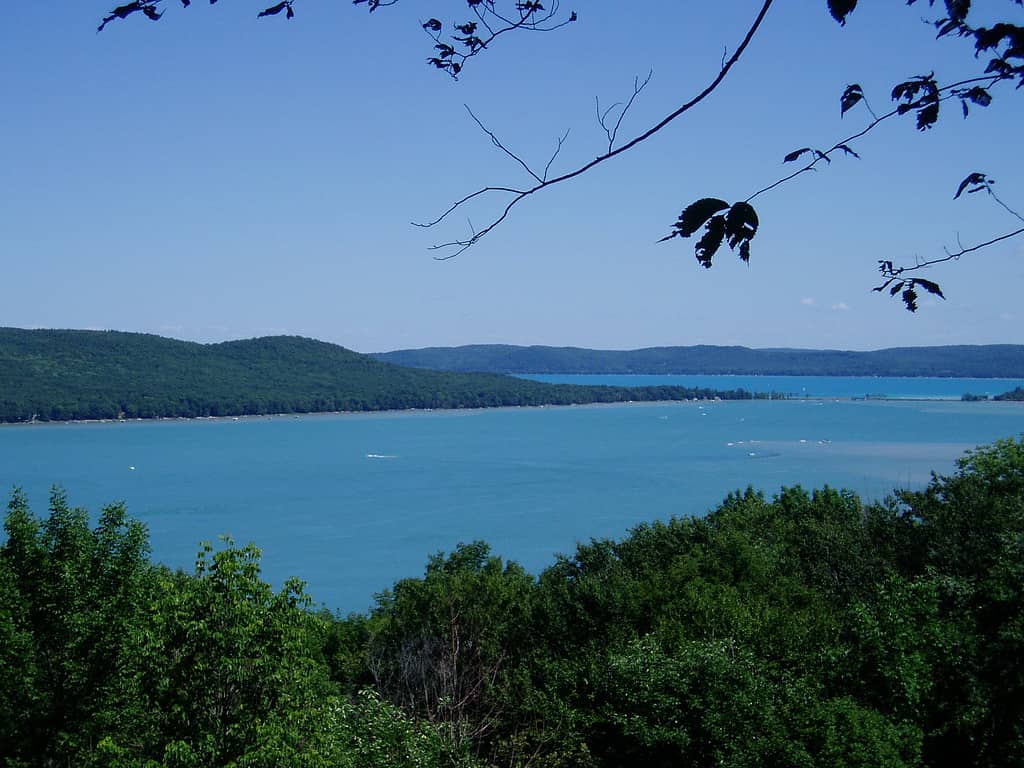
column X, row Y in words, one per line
column 351, row 503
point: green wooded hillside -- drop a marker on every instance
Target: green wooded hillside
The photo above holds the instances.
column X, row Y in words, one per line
column 71, row 374
column 989, row 361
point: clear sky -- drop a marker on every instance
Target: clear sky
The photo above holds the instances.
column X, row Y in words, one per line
column 210, row 176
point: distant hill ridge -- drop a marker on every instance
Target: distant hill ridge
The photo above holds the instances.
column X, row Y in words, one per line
column 968, row 361
column 72, row 374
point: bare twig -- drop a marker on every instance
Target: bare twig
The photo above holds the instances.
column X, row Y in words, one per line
column 497, row 143
column 558, row 149
column 602, row 117
column 461, row 246
column 894, row 271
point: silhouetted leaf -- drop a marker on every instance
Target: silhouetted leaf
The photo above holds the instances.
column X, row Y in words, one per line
column 910, row 299
column 984, row 39
column 795, row 154
column 979, row 96
column 433, row 25
column 927, row 115
column 848, row 151
column 853, row 94
column 972, row 180
column 958, row 9
column 709, row 244
column 741, row 224
column 840, row 9
column 276, row 9
column 896, row 288
column 695, row 215
column 928, row 285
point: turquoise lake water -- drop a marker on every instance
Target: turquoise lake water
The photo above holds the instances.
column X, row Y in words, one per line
column 350, row 503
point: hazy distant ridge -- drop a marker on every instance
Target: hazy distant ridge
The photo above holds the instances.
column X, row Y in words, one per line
column 970, row 361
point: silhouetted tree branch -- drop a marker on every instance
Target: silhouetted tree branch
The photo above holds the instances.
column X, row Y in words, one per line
column 893, row 275
column 718, row 221
column 518, row 195
column 922, row 96
column 488, row 20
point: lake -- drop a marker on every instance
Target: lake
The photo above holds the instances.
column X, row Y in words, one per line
column 352, row 502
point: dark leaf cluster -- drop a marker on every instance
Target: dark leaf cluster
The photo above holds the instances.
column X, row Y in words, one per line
column 906, row 287
column 737, row 226
column 920, row 94
column 490, row 20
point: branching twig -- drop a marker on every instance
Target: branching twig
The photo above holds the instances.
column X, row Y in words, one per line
column 554, row 154
column 896, row 271
column 497, row 143
column 946, row 92
column 461, row 246
column 602, row 117
column 452, row 56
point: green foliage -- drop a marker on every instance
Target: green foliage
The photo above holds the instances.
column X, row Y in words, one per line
column 54, row 375
column 72, row 598
column 1016, row 394
column 802, row 630
column 976, row 361
column 444, row 646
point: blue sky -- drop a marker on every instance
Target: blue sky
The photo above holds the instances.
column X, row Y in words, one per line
column 211, row 176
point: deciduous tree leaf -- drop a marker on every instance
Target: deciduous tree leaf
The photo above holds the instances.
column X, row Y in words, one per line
column 973, row 180
column 795, row 154
column 840, row 9
column 741, row 224
column 695, row 215
column 928, row 285
column 910, row 299
column 958, row 10
column 851, row 96
column 709, row 244
column 979, row 96
column 927, row 116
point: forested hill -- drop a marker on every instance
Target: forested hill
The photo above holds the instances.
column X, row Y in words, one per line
column 990, row 361
column 68, row 374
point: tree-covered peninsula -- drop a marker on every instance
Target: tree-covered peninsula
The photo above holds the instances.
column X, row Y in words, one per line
column 50, row 375
column 806, row 630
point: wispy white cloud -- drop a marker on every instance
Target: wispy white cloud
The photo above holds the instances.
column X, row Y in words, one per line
column 842, row 306
column 807, row 301
column 1005, row 316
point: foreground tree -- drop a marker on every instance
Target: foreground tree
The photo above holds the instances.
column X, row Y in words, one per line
column 807, row 629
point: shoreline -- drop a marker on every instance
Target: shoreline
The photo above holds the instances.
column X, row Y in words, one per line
column 399, row 411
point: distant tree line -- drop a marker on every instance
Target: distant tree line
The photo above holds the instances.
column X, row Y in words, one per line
column 972, row 361
column 1017, row 393
column 805, row 630
column 65, row 375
